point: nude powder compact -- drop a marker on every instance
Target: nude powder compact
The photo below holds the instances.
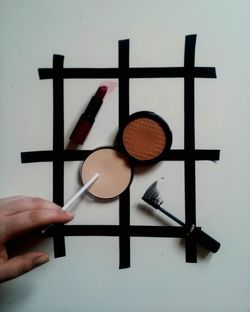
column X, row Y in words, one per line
column 114, row 170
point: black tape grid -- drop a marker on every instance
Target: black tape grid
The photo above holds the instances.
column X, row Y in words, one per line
column 189, row 154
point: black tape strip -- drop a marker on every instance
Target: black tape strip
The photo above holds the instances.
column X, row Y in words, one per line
column 156, row 72
column 114, row 230
column 170, row 72
column 123, row 81
column 204, row 72
column 157, row 231
column 124, row 222
column 137, row 72
column 189, row 145
column 181, row 155
column 191, row 249
column 45, row 156
column 190, row 208
column 73, row 155
column 58, row 147
column 124, row 199
column 134, row 72
column 29, row 157
column 81, row 73
column 89, row 230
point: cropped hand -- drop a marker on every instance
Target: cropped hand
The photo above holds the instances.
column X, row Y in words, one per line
column 19, row 215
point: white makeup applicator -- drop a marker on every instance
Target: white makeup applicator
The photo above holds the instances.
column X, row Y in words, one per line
column 77, row 194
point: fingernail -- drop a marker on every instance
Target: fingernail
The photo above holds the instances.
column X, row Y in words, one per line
column 70, row 214
column 41, row 260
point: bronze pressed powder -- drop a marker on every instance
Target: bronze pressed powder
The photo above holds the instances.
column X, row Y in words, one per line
column 114, row 170
column 146, row 137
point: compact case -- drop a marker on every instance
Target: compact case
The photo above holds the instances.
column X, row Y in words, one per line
column 144, row 139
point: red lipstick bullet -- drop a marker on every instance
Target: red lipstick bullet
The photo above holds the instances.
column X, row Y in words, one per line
column 87, row 119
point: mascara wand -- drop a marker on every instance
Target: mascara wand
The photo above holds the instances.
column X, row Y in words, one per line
column 152, row 197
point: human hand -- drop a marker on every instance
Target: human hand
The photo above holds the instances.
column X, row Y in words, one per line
column 19, row 215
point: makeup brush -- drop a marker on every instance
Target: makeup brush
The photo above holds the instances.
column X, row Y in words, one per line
column 152, row 197
column 81, row 191
column 76, row 195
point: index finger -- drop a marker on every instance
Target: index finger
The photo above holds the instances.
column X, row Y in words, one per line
column 17, row 224
column 17, row 204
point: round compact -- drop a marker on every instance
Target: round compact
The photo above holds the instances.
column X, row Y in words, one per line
column 145, row 138
column 114, row 170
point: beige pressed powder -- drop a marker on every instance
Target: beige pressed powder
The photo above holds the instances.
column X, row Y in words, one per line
column 114, row 170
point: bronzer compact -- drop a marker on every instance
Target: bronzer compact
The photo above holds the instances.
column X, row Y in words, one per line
column 144, row 139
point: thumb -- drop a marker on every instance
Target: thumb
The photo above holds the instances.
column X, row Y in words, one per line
column 21, row 264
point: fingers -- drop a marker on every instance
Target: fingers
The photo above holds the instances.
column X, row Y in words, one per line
column 3, row 254
column 17, row 204
column 17, row 224
column 21, row 264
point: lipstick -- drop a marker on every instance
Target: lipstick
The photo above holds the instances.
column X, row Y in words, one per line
column 87, row 119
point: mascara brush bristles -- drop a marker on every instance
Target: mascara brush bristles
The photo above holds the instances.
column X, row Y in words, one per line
column 151, row 196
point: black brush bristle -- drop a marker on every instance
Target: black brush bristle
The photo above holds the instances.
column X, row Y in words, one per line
column 151, row 196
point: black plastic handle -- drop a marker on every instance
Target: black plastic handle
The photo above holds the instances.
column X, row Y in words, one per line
column 206, row 241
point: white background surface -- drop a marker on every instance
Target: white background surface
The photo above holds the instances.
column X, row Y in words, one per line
column 87, row 33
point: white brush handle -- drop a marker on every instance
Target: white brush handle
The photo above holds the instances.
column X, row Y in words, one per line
column 81, row 191
column 73, row 198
